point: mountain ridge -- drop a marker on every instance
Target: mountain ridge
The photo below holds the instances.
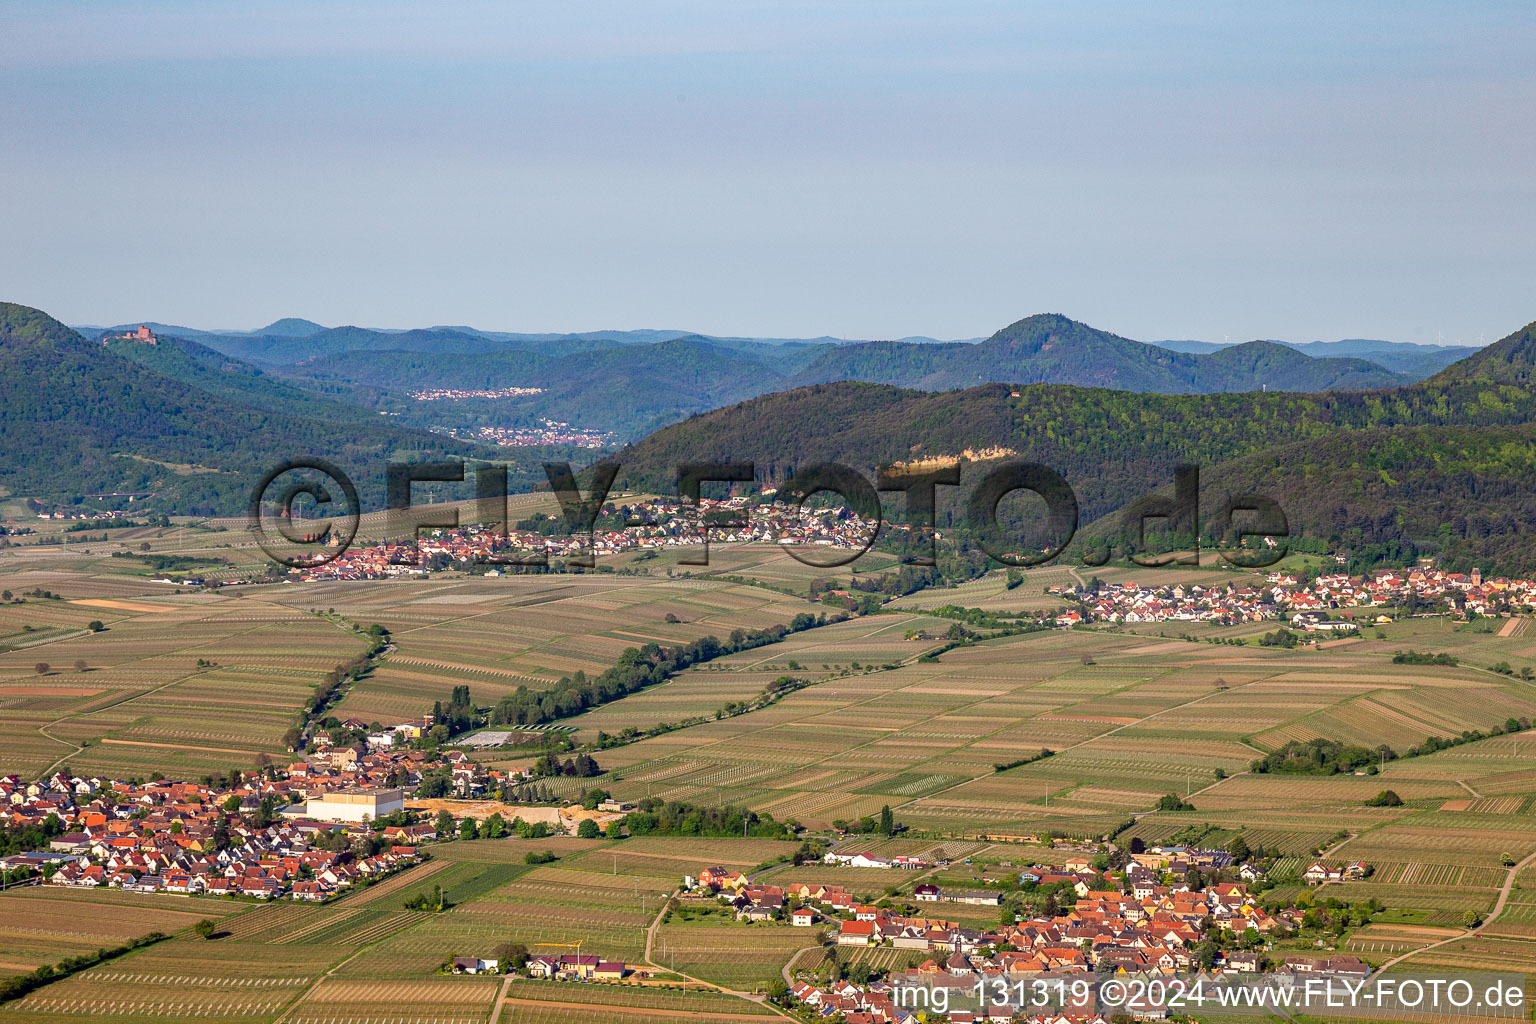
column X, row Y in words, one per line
column 1115, row 447
column 623, row 384
column 80, row 417
column 1052, row 348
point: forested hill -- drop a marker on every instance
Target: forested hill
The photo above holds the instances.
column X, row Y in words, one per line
column 1049, row 348
column 279, row 349
column 630, row 383
column 79, row 418
column 1334, row 451
column 1465, row 494
column 629, row 389
column 1511, row 360
column 234, row 380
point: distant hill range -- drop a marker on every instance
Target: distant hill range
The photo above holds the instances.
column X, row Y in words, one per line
column 176, row 418
column 1363, row 458
column 631, row 382
column 1051, row 349
column 1443, row 466
column 1415, row 361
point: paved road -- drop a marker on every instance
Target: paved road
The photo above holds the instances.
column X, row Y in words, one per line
column 789, row 968
column 1498, row 908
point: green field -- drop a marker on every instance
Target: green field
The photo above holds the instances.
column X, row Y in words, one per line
column 1130, row 714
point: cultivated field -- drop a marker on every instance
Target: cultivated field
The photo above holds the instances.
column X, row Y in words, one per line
column 1130, row 716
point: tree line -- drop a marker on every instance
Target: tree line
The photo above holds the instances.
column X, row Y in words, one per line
column 636, row 669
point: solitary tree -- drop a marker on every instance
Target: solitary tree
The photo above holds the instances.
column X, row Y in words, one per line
column 204, row 928
column 79, row 664
column 513, row 955
column 42, row 668
column 95, row 625
column 587, row 829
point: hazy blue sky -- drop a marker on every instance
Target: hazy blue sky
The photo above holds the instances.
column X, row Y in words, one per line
column 1189, row 170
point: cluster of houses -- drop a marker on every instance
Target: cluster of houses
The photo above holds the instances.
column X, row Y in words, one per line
column 276, row 863
column 548, row 432
column 892, row 1001
column 1318, row 872
column 256, row 835
column 1306, row 605
column 1384, row 587
column 383, row 765
column 929, row 893
column 451, row 394
column 1151, row 928
column 659, row 523
column 254, row 838
column 1140, row 925
column 846, row 859
column 76, row 513
column 578, row 967
column 1228, row 604
column 863, row 1004
column 1177, row 859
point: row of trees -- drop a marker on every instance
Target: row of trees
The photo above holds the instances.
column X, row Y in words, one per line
column 772, row 692
column 1330, row 757
column 636, row 669
column 1320, row 757
column 656, row 817
column 458, row 716
column 19, row 985
column 1422, row 658
column 582, row 766
column 332, row 682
